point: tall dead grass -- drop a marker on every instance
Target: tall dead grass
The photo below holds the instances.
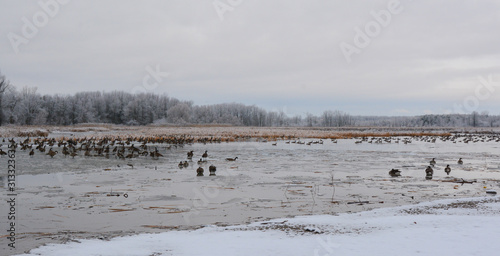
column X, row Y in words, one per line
column 231, row 133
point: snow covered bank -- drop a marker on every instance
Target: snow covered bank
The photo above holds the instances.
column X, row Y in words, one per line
column 446, row 227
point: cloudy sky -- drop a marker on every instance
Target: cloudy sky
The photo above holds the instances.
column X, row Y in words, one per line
column 373, row 57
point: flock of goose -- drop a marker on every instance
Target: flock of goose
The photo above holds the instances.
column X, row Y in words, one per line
column 107, row 146
column 456, row 138
column 126, row 148
column 203, row 160
column 464, row 138
column 147, row 146
column 429, row 172
column 120, row 147
column 92, row 147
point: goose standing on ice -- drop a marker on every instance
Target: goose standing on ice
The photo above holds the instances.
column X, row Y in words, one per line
column 460, row 161
column 199, row 171
column 212, row 170
column 432, row 162
column 52, row 153
column 447, row 169
column 429, row 172
column 156, row 153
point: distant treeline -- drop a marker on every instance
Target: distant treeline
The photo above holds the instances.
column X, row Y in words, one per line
column 27, row 107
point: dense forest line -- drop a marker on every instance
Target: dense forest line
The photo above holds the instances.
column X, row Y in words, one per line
column 28, row 107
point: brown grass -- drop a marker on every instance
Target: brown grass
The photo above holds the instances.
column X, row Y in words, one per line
column 160, row 227
column 36, row 133
column 120, row 210
column 226, row 133
column 44, row 207
column 102, row 125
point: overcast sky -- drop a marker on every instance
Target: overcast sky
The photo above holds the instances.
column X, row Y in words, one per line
column 363, row 57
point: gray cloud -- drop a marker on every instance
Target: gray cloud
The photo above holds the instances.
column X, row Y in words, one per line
column 275, row 54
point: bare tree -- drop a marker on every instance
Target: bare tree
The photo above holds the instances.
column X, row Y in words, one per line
column 327, row 118
column 474, row 119
column 310, row 120
column 4, row 84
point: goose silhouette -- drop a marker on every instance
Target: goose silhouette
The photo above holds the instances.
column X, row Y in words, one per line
column 447, row 169
column 395, row 173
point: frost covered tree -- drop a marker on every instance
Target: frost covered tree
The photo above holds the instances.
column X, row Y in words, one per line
column 336, row 119
column 27, row 107
column 28, row 110
column 311, row 120
column 179, row 114
column 4, row 85
column 9, row 102
column 328, row 118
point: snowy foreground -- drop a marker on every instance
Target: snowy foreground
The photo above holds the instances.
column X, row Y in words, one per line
column 445, row 227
